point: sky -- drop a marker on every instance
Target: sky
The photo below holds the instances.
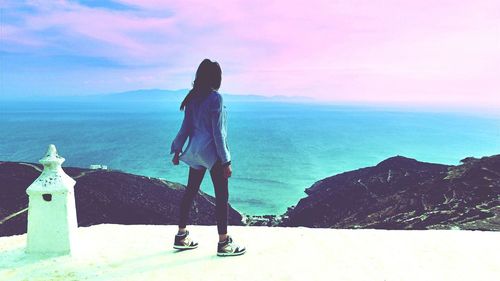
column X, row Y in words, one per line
column 428, row 52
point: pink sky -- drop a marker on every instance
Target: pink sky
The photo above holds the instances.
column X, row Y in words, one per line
column 415, row 52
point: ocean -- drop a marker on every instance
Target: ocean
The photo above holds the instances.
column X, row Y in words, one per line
column 278, row 149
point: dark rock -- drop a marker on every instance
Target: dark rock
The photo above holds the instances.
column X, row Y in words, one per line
column 402, row 193
column 104, row 196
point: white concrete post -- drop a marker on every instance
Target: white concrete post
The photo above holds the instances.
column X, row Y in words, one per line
column 51, row 210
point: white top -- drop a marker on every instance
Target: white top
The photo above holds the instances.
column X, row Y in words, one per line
column 205, row 123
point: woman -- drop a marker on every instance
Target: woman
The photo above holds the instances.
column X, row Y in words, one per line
column 205, row 125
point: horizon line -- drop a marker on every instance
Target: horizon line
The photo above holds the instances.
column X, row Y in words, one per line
column 491, row 109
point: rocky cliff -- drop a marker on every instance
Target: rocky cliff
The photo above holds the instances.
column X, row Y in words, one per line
column 398, row 193
column 104, row 196
column 402, row 193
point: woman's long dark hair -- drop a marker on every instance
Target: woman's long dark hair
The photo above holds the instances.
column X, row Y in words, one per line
column 208, row 78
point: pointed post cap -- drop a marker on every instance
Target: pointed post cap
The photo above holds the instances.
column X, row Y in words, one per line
column 51, row 158
column 53, row 178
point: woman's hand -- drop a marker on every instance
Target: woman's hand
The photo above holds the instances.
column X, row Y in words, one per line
column 175, row 160
column 227, row 171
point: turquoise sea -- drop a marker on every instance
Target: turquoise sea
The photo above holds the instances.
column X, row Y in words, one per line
column 278, row 149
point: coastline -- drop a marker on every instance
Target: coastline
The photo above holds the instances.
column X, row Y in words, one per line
column 390, row 178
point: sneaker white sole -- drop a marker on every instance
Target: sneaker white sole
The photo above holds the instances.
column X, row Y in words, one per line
column 231, row 254
column 185, row 247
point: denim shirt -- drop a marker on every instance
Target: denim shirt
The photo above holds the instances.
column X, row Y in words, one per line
column 205, row 124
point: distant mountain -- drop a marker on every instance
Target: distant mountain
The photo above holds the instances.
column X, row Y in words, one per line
column 178, row 96
column 142, row 96
column 104, row 196
column 402, row 193
column 158, row 95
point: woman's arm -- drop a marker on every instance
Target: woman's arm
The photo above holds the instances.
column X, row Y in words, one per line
column 182, row 135
column 220, row 130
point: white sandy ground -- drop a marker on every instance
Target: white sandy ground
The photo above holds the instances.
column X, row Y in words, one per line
column 118, row 252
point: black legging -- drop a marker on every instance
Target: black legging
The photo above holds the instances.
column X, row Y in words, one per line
column 221, row 195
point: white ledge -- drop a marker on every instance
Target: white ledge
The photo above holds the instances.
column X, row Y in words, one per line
column 140, row 252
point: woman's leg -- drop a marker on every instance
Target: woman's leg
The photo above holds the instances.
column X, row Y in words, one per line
column 221, row 198
column 194, row 181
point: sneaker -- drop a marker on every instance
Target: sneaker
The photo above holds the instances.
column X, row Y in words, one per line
column 229, row 248
column 184, row 242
